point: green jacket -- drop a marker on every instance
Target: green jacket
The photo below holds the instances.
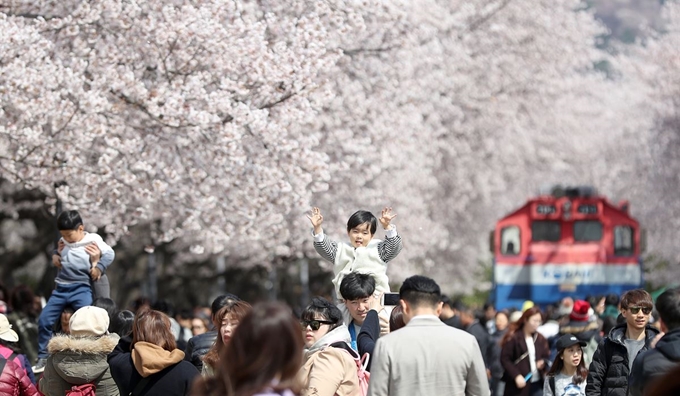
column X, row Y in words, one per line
column 77, row 361
column 610, row 310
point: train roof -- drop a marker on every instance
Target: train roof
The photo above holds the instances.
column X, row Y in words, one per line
column 579, row 195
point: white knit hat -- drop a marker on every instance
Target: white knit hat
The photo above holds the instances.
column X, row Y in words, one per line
column 6, row 332
column 514, row 317
column 89, row 321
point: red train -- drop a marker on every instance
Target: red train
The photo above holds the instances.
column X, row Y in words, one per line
column 568, row 242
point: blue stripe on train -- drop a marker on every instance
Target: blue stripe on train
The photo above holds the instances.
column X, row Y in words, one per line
column 513, row 296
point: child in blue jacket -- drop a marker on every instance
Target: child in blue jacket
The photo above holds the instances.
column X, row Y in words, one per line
column 82, row 258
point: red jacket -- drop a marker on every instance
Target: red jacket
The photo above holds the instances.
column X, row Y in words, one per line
column 15, row 382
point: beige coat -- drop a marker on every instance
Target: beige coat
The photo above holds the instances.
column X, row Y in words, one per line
column 329, row 370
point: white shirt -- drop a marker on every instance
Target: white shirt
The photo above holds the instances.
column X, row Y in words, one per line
column 532, row 358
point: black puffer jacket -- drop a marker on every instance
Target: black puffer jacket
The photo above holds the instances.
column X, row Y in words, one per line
column 655, row 362
column 608, row 373
column 198, row 346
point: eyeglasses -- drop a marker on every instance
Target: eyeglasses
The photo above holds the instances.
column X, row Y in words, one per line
column 635, row 310
column 314, row 324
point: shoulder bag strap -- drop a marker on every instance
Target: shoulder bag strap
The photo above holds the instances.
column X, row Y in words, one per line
column 140, row 386
column 519, row 359
column 551, row 382
column 525, row 354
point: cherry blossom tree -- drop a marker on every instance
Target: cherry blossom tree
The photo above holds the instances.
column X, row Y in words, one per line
column 221, row 122
column 654, row 179
column 177, row 114
column 458, row 112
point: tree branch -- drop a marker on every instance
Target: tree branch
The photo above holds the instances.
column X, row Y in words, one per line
column 482, row 20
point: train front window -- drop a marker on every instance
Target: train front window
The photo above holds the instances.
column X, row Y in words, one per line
column 510, row 241
column 545, row 230
column 623, row 241
column 587, row 231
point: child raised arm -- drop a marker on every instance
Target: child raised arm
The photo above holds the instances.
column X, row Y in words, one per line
column 362, row 253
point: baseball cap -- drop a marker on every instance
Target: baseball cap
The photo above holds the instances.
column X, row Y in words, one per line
column 568, row 340
column 89, row 321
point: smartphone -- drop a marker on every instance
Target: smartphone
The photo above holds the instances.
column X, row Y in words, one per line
column 390, row 299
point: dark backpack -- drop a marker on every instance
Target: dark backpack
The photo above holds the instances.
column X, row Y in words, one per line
column 88, row 389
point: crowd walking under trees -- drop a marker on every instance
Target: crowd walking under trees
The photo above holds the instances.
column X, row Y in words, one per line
column 267, row 105
column 427, row 343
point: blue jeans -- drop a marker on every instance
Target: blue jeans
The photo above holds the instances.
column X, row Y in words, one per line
column 77, row 295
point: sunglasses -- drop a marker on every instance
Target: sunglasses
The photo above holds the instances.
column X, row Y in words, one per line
column 314, row 324
column 635, row 310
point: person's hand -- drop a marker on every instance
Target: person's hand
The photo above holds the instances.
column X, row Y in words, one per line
column 520, row 382
column 376, row 302
column 56, row 260
column 488, row 374
column 60, row 245
column 95, row 274
column 316, row 218
column 384, row 319
column 540, row 364
column 94, row 252
column 386, row 217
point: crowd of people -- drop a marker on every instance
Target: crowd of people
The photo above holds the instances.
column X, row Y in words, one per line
column 80, row 343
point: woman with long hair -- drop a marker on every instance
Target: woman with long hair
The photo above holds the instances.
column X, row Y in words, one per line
column 226, row 320
column 262, row 357
column 524, row 356
column 568, row 373
column 150, row 363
